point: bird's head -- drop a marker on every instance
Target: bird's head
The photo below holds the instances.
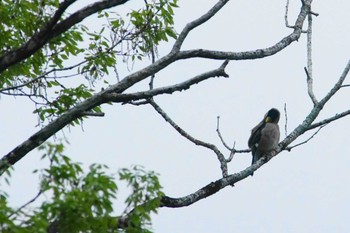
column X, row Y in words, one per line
column 272, row 116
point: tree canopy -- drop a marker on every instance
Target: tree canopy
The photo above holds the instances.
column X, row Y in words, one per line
column 70, row 71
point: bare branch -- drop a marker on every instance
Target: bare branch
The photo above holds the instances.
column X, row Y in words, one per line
column 27, row 203
column 306, row 141
column 211, row 188
column 286, row 118
column 232, row 150
column 116, row 97
column 338, row 85
column 286, row 15
column 329, row 120
column 314, row 112
column 308, row 70
column 181, row 38
column 219, row 133
column 310, row 86
column 198, row 142
column 205, row 191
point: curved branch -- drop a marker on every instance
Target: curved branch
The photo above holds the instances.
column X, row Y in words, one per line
column 198, row 142
column 289, row 148
column 190, row 26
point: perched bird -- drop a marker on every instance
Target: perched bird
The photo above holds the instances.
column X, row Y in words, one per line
column 265, row 136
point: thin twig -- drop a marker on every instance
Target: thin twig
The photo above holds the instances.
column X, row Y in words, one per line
column 307, row 140
column 219, row 133
column 286, row 15
column 197, row 22
column 27, row 203
column 232, row 150
column 286, row 18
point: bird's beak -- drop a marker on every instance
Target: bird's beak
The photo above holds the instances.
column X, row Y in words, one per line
column 268, row 119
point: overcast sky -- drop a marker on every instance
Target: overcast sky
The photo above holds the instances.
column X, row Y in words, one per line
column 305, row 190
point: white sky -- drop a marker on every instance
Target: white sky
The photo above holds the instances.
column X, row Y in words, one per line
column 306, row 190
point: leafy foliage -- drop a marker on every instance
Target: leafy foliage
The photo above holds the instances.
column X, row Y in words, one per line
column 144, row 198
column 68, row 69
column 90, row 57
column 82, row 201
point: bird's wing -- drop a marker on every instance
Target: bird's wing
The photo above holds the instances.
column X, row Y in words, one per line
column 255, row 135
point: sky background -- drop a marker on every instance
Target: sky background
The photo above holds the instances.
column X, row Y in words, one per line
column 305, row 190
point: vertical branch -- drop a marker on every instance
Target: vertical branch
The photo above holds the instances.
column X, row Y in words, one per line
column 153, row 56
column 286, row 15
column 308, row 70
column 286, row 117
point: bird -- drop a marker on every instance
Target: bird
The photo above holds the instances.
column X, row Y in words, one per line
column 265, row 136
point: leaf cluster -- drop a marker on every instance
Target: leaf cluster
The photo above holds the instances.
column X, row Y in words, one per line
column 46, row 76
column 144, row 198
column 82, row 201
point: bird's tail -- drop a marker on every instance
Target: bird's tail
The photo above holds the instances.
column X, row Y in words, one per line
column 255, row 157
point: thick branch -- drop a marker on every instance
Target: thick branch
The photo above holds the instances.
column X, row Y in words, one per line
column 39, row 137
column 53, row 29
column 216, row 186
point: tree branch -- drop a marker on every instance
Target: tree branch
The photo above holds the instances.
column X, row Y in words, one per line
column 308, row 70
column 190, row 26
column 52, row 29
column 96, row 100
column 216, row 186
column 232, row 150
column 328, row 120
column 220, row 156
column 116, row 97
column 314, row 112
column 306, row 141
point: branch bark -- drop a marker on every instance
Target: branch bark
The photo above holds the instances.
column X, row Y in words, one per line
column 46, row 132
column 232, row 179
